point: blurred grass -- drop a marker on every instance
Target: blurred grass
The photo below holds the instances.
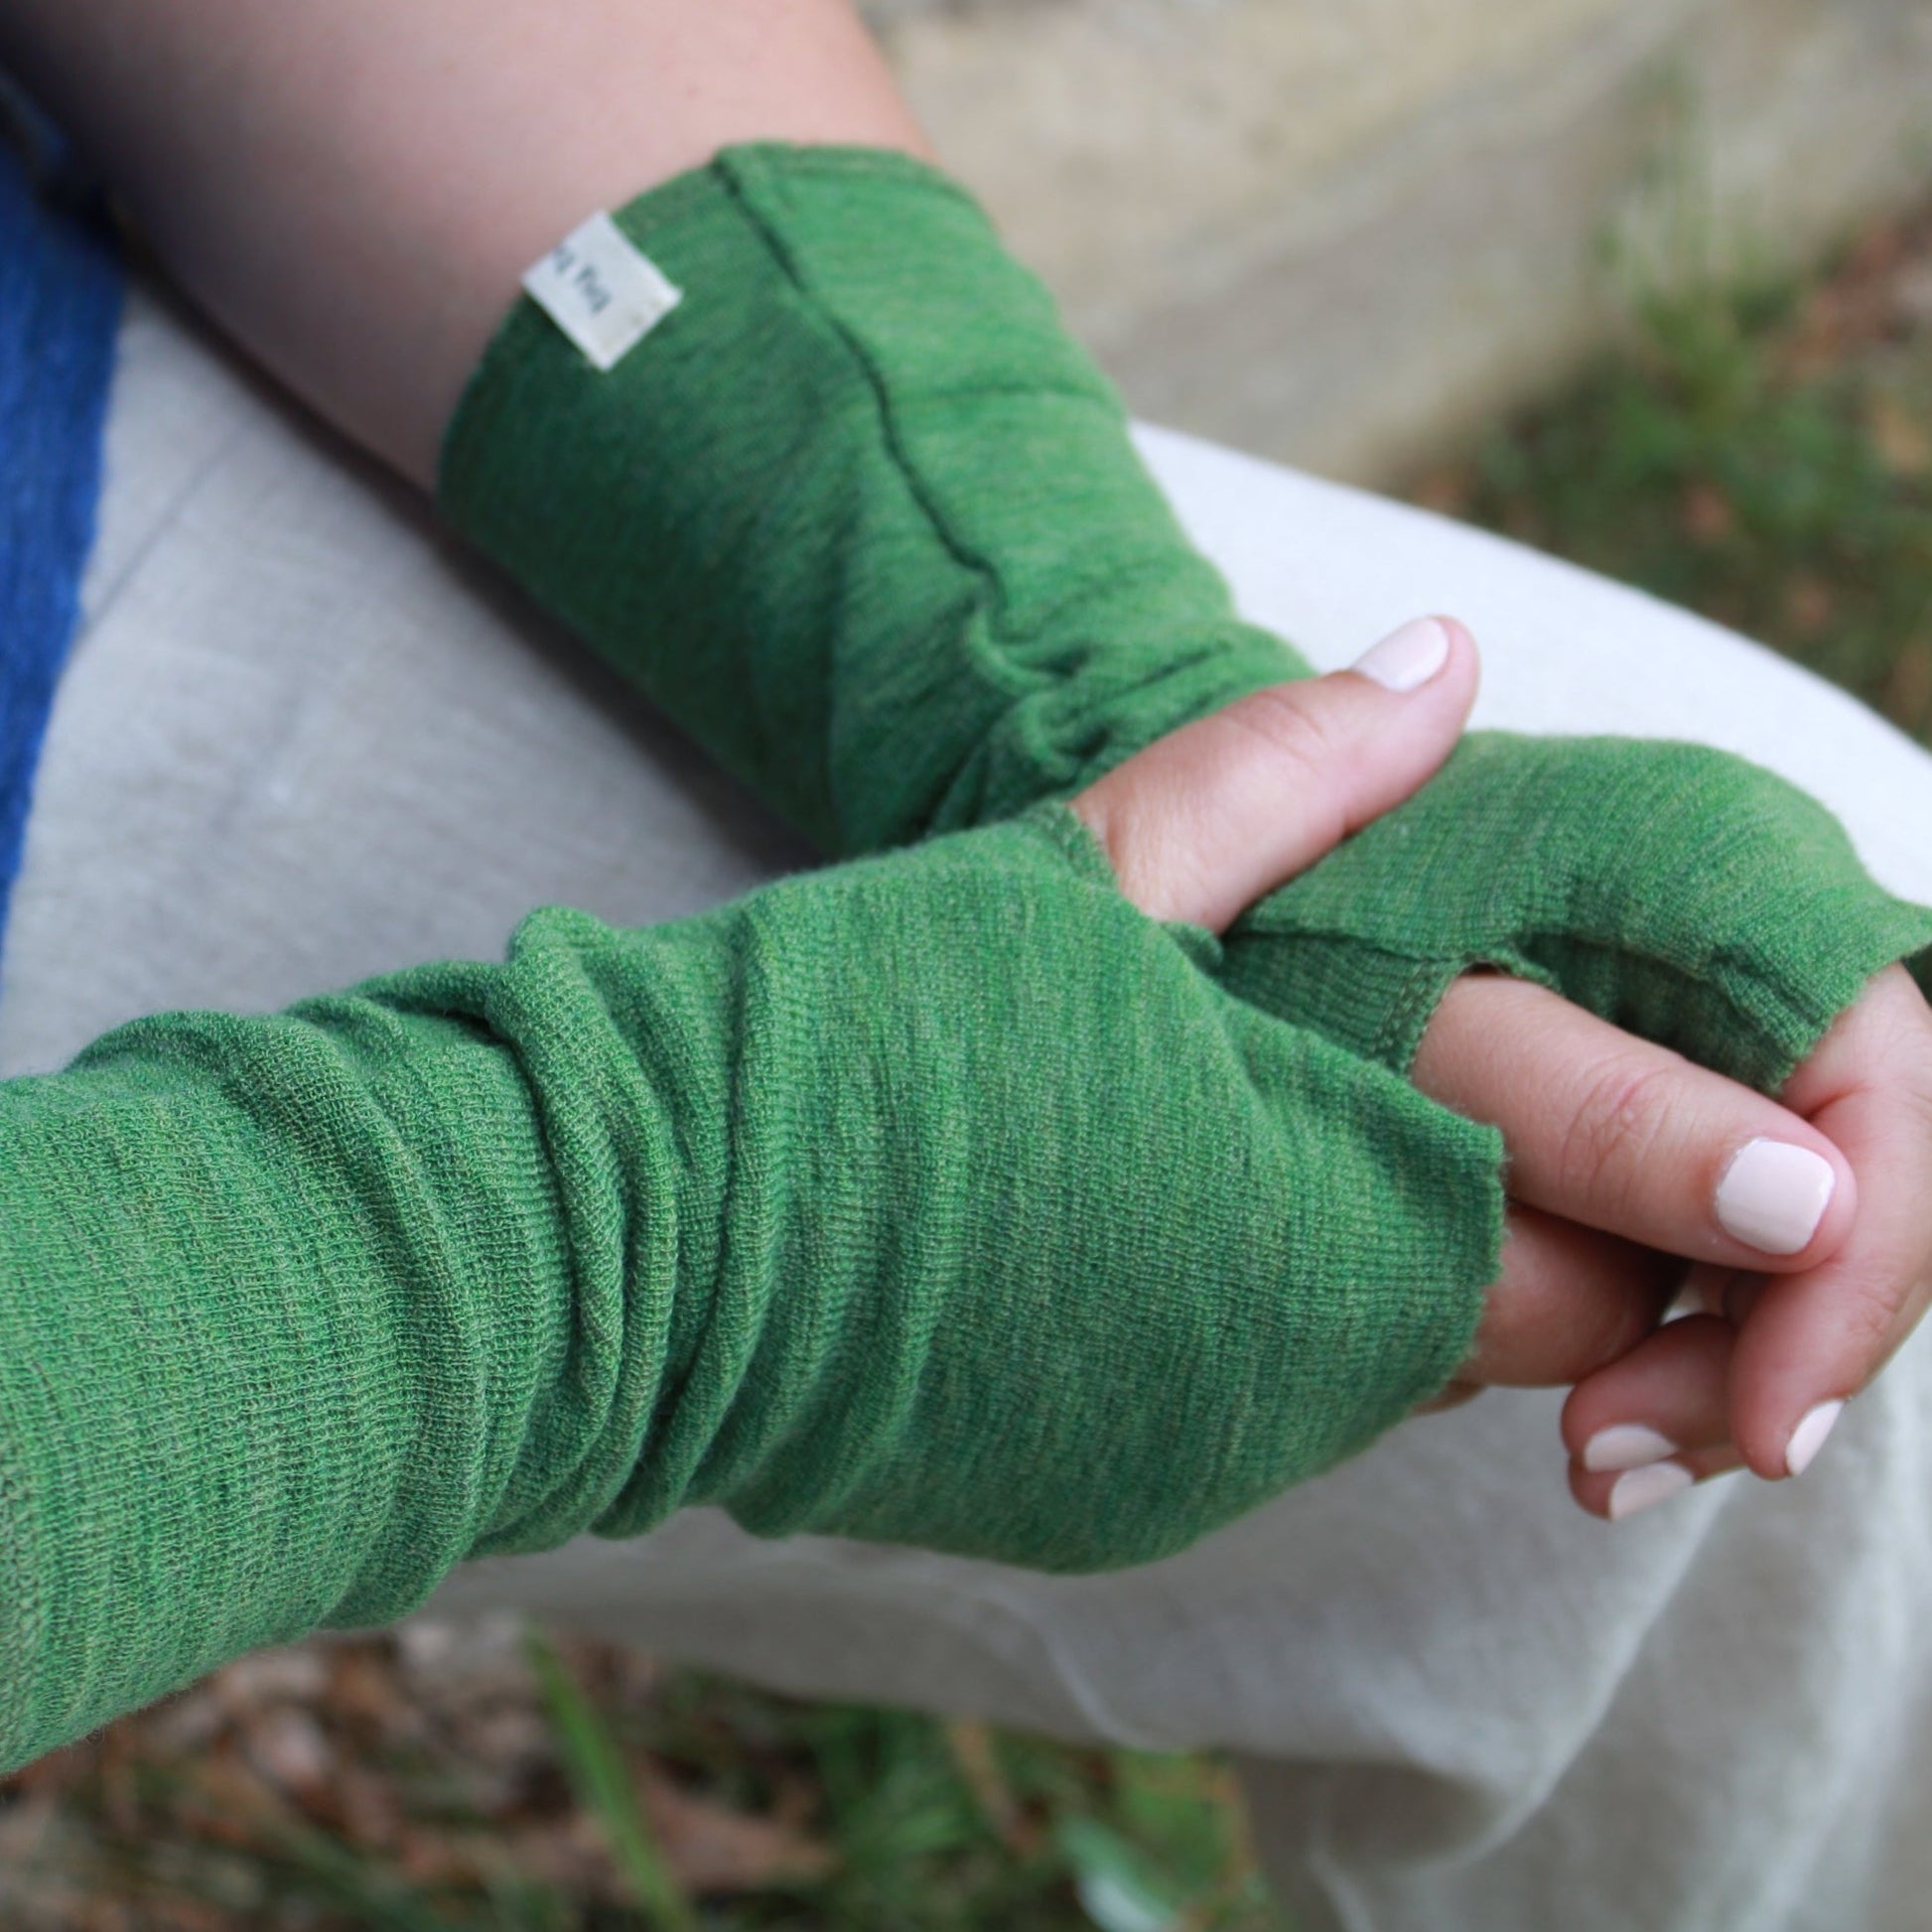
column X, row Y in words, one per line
column 1763, row 454
column 424, row 1781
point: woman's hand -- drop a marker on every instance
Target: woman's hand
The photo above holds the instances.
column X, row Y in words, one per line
column 1758, row 1378
column 1622, row 1155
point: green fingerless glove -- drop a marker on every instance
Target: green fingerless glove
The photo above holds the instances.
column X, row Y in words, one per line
column 861, row 516
column 1686, row 896
column 943, row 1199
column 857, row 512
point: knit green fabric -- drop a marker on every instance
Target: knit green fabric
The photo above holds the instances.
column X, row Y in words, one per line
column 1685, row 894
column 942, row 1198
column 857, row 512
column 861, row 516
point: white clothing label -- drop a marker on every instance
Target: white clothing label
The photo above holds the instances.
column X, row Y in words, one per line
column 601, row 291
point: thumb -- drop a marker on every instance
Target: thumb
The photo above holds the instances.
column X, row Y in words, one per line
column 1218, row 814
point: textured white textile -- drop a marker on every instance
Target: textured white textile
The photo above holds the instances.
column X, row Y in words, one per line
column 303, row 741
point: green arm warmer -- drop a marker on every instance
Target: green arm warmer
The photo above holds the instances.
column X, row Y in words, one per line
column 942, row 1198
column 866, row 521
column 857, row 512
column 1685, row 894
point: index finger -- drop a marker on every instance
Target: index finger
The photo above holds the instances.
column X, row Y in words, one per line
column 1608, row 1130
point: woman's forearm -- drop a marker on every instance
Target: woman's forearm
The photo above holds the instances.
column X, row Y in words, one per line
column 353, row 190
column 941, row 1200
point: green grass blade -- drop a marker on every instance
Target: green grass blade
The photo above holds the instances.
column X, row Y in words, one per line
column 603, row 1785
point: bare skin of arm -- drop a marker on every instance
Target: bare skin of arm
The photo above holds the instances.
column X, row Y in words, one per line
column 352, row 191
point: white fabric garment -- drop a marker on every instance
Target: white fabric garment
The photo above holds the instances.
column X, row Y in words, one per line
column 303, row 741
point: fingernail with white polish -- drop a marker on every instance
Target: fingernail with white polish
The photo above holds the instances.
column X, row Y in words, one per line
column 1689, row 1301
column 1626, row 1445
column 1774, row 1194
column 1809, row 1437
column 1407, row 657
column 1701, row 1291
column 1638, row 1489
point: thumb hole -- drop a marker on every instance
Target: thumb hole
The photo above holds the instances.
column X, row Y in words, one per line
column 1213, row 816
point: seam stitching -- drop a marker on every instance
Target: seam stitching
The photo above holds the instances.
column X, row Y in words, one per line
column 1019, row 679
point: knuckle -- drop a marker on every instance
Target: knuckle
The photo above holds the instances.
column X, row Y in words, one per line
column 1870, row 1326
column 1610, row 1328
column 1890, row 1027
column 1574, row 1311
column 1291, row 729
column 1303, row 754
column 1618, row 1120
